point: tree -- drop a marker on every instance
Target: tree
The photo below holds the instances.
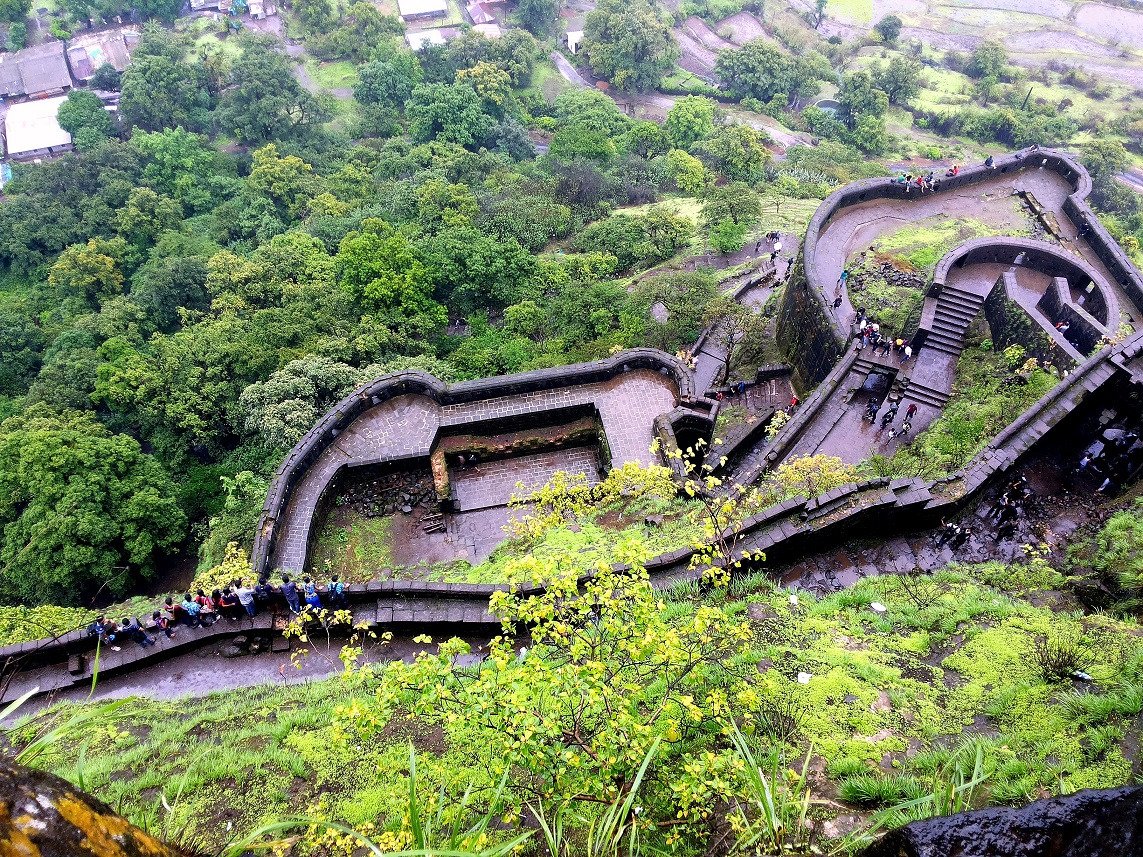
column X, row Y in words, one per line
column 690, row 120
column 17, row 36
column 263, row 100
column 475, row 272
column 726, row 236
column 889, row 28
column 628, row 44
column 288, row 182
column 757, row 69
column 450, row 113
column 900, row 80
column 490, row 82
column 442, row 206
column 390, row 77
column 106, row 78
column 286, row 405
column 818, row 14
column 607, row 672
column 184, row 166
column 81, row 509
column 989, row 60
column 735, row 202
column 686, row 171
column 538, row 16
column 146, row 215
column 315, row 15
column 14, row 11
column 161, row 89
column 377, row 267
column 859, row 96
column 736, row 151
column 729, row 322
column 83, row 115
column 88, row 273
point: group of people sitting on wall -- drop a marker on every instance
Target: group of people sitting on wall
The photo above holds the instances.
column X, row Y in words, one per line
column 237, row 601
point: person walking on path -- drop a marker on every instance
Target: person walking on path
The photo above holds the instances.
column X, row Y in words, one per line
column 313, row 599
column 290, row 593
column 246, row 598
column 337, row 597
column 911, row 411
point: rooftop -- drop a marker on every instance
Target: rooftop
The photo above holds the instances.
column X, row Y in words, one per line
column 34, row 70
column 422, row 8
column 32, row 126
column 88, row 52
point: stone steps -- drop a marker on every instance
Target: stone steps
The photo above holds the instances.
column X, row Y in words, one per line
column 925, row 395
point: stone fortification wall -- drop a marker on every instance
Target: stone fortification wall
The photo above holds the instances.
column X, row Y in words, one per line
column 806, row 328
column 374, row 393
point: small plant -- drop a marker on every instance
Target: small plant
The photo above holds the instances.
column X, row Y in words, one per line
column 871, row 790
column 780, row 716
column 924, row 590
column 1059, row 657
column 773, row 816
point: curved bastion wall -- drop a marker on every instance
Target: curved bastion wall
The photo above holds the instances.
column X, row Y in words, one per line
column 814, row 336
column 639, row 395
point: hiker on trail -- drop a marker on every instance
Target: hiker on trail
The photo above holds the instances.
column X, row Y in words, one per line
column 163, row 624
column 106, row 632
column 338, row 600
column 192, row 609
column 207, row 613
column 871, row 410
column 246, row 598
column 837, row 302
column 949, row 531
column 176, row 612
column 130, row 630
column 888, row 418
column 313, row 599
column 911, row 410
column 906, row 427
column 908, row 350
column 230, row 606
column 264, row 593
column 793, row 404
column 843, row 279
column 990, row 163
column 290, row 593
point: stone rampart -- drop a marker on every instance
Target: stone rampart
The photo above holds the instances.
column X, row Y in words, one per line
column 374, row 393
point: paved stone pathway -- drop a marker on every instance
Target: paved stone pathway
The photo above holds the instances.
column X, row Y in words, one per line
column 494, row 483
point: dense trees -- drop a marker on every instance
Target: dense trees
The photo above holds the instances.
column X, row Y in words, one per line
column 628, row 44
column 263, row 100
column 81, row 508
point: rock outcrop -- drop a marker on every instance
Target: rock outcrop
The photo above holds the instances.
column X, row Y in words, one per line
column 42, row 815
column 1085, row 824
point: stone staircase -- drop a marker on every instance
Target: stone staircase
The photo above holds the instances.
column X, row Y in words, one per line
column 955, row 310
column 924, row 395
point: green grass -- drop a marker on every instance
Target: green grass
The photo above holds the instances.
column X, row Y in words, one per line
column 357, row 552
column 851, row 11
column 332, row 75
column 877, row 708
column 594, row 541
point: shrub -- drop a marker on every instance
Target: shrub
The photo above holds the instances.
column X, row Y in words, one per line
column 1059, row 657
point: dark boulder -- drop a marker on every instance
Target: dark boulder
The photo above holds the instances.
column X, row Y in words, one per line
column 44, row 816
column 1092, row 823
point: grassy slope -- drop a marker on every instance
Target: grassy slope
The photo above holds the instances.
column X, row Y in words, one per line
column 892, row 693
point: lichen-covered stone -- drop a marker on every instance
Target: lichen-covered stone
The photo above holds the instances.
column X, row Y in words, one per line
column 1091, row 823
column 42, row 815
